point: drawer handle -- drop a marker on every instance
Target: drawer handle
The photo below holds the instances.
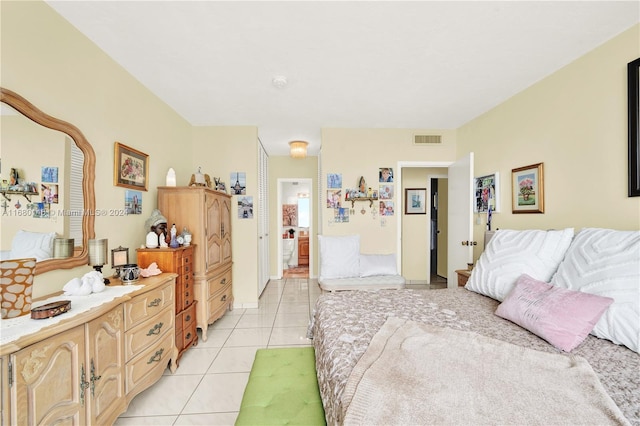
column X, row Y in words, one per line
column 223, row 298
column 154, row 303
column 188, row 317
column 188, row 336
column 186, row 303
column 157, row 357
column 223, row 281
column 155, row 330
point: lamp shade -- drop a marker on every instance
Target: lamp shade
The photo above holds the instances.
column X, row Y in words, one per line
column 98, row 252
column 63, row 248
column 298, row 149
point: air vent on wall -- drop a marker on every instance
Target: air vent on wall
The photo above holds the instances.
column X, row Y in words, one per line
column 427, row 139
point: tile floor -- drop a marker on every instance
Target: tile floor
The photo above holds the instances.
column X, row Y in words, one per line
column 208, row 385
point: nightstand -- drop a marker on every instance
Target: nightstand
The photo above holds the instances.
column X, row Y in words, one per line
column 463, row 276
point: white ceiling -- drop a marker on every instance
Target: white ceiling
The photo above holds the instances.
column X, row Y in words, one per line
column 357, row 64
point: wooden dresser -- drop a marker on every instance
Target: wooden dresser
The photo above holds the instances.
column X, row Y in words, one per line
column 86, row 369
column 207, row 215
column 180, row 261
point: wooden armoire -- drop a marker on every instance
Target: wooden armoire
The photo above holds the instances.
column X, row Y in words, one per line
column 207, row 215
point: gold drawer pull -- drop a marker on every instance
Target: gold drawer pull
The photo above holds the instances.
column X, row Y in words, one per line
column 154, row 303
column 223, row 281
column 155, row 330
column 223, row 298
column 188, row 318
column 157, row 357
column 188, row 336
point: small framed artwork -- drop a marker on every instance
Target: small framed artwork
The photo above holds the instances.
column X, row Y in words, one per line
column 486, row 193
column 133, row 202
column 527, row 187
column 415, row 201
column 385, row 174
column 130, row 168
column 386, row 192
column 119, row 256
column 49, row 174
column 333, row 198
column 245, row 207
column 341, row 215
column 289, row 215
column 49, row 193
column 238, row 183
column 334, row 180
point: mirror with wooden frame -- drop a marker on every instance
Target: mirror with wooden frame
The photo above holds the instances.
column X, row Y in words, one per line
column 74, row 215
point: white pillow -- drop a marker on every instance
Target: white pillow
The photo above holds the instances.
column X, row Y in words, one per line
column 27, row 244
column 607, row 263
column 377, row 264
column 510, row 254
column 339, row 256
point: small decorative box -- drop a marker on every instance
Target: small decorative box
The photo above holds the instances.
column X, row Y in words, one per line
column 51, row 309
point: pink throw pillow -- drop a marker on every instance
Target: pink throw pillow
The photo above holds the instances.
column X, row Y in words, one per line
column 562, row 317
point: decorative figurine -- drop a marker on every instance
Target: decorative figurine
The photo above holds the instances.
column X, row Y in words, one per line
column 199, row 179
column 157, row 224
column 174, row 240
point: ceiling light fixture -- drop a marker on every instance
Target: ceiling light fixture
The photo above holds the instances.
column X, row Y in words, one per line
column 279, row 81
column 298, row 149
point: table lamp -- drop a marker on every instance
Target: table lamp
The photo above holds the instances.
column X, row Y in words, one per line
column 98, row 255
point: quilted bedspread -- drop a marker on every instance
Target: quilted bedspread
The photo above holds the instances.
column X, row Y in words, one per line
column 344, row 323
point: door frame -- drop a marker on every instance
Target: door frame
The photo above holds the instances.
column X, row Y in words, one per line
column 398, row 178
column 309, row 182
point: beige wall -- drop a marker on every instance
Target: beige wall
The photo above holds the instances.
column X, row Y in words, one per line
column 575, row 122
column 221, row 151
column 361, row 152
column 60, row 71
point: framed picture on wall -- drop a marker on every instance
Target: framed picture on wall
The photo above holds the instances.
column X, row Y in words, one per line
column 486, row 193
column 527, row 187
column 131, row 168
column 415, row 201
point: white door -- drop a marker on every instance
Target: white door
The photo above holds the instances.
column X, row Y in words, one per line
column 263, row 219
column 460, row 227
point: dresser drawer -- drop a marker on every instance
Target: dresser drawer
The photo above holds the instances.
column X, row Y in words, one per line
column 188, row 317
column 148, row 332
column 150, row 364
column 219, row 302
column 147, row 305
column 219, row 282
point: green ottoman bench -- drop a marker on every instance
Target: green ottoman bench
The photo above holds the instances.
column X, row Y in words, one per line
column 282, row 389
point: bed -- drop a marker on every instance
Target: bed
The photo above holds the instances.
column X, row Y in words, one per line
column 343, row 325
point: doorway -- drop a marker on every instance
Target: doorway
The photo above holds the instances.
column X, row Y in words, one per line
column 294, row 227
column 459, row 226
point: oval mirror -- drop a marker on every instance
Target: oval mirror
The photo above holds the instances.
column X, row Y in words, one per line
column 42, row 201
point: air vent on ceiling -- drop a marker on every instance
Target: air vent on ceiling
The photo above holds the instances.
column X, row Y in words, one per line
column 427, row 139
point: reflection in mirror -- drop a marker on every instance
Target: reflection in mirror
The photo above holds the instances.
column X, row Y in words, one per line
column 39, row 147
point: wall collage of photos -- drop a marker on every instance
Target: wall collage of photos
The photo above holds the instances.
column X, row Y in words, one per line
column 380, row 198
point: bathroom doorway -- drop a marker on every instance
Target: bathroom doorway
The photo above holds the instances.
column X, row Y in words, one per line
column 294, row 219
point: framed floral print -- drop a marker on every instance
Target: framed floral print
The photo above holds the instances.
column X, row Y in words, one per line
column 131, row 168
column 527, row 186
